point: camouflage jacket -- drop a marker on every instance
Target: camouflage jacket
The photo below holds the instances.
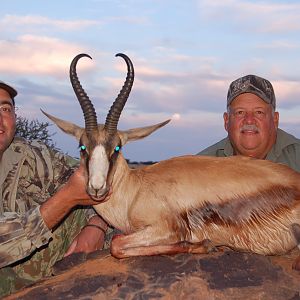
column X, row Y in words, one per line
column 29, row 174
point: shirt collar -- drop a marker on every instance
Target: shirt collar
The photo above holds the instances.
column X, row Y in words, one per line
column 228, row 150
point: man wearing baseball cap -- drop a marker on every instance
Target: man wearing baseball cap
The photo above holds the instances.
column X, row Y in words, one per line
column 251, row 121
column 33, row 204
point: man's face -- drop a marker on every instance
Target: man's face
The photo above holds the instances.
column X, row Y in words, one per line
column 251, row 125
column 7, row 121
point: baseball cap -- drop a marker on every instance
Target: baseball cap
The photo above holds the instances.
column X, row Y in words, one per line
column 252, row 84
column 12, row 92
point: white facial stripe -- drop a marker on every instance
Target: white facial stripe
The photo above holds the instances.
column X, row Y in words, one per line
column 98, row 167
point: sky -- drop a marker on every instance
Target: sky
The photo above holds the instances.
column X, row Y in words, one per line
column 185, row 54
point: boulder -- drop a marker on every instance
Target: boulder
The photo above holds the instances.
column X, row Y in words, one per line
column 219, row 275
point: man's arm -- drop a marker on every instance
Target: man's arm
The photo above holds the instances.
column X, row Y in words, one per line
column 71, row 194
column 21, row 234
column 91, row 237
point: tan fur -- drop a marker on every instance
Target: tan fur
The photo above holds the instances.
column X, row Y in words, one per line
column 158, row 196
column 181, row 204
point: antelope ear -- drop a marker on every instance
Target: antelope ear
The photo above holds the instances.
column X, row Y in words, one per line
column 65, row 126
column 139, row 133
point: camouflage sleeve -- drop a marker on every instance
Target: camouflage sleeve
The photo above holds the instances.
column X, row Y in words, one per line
column 21, row 234
column 33, row 178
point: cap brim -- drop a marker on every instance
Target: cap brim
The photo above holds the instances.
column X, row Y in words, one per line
column 12, row 92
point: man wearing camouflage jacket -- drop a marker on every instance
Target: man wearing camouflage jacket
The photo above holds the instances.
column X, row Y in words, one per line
column 37, row 220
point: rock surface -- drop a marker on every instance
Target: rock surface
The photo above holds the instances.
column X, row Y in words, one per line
column 220, row 275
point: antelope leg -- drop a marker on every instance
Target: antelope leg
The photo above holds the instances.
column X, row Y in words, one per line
column 125, row 246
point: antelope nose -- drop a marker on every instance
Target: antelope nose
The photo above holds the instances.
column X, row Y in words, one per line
column 96, row 188
column 96, row 193
column 98, row 183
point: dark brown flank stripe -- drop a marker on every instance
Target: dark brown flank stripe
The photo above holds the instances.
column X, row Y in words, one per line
column 241, row 210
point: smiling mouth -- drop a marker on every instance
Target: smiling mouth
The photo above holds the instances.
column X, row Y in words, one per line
column 249, row 131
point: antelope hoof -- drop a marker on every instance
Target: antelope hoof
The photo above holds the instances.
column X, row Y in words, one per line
column 204, row 247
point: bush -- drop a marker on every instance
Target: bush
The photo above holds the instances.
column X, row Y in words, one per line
column 34, row 130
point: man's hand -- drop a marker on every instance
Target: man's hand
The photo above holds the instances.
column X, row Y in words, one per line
column 75, row 188
column 71, row 194
column 90, row 238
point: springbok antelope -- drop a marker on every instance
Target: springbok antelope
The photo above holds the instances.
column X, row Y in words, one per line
column 183, row 204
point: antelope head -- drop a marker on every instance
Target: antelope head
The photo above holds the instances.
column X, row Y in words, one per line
column 100, row 144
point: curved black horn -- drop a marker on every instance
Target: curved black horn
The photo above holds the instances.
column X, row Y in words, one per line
column 114, row 113
column 87, row 107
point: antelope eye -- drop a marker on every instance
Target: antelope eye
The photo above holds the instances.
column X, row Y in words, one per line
column 117, row 148
column 82, row 148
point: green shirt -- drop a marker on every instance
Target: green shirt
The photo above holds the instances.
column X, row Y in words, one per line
column 286, row 150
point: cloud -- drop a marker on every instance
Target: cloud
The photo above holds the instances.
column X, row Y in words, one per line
column 38, row 23
column 38, row 55
column 287, row 93
column 279, row 44
column 160, row 88
column 33, row 21
column 259, row 16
